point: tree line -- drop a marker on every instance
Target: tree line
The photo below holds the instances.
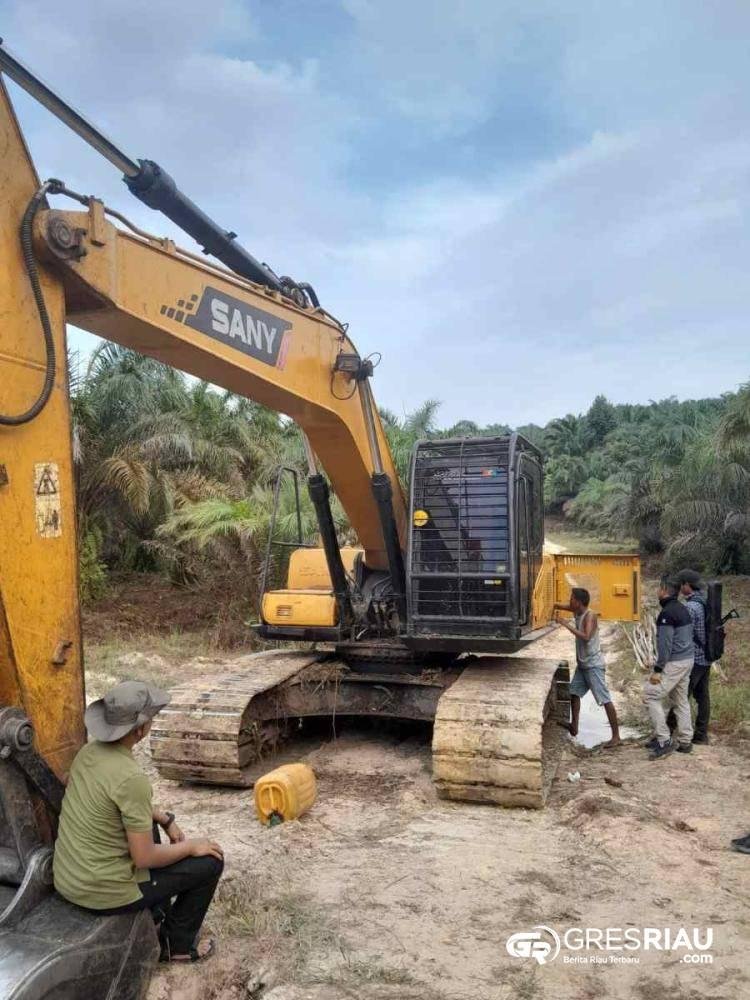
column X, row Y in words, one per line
column 173, row 474
column 675, row 476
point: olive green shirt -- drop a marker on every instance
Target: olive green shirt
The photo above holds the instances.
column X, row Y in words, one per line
column 107, row 794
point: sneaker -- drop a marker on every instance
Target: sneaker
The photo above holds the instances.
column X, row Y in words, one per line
column 701, row 740
column 742, row 845
column 685, row 748
column 651, row 744
column 662, row 750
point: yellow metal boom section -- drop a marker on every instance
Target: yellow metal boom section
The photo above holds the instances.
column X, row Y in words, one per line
column 203, row 320
column 40, row 645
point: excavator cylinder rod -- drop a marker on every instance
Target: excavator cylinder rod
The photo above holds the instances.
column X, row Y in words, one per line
column 149, row 182
column 154, row 187
column 31, row 83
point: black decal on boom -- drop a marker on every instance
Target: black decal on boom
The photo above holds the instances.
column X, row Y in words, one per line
column 253, row 331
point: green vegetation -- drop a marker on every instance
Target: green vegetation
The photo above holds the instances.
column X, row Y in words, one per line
column 174, row 476
column 674, row 476
column 175, row 480
column 671, row 478
column 177, row 477
column 287, row 926
column 730, row 685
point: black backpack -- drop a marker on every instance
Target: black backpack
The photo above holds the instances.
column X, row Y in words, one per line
column 715, row 622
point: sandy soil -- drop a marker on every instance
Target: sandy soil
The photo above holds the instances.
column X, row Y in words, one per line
column 384, row 891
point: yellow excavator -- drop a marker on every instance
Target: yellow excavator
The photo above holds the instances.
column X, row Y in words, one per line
column 414, row 622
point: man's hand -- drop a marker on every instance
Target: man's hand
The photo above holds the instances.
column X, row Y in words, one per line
column 201, row 847
column 175, row 834
column 172, row 830
column 655, row 679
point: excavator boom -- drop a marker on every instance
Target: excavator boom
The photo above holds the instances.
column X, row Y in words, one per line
column 150, row 296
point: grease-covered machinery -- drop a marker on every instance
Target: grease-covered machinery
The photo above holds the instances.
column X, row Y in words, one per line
column 458, row 567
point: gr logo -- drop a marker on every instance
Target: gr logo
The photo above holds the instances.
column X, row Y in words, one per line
column 541, row 943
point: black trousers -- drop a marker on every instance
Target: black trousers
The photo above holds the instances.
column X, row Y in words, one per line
column 182, row 893
column 700, row 677
column 699, row 690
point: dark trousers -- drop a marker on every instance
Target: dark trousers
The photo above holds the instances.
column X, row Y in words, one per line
column 182, row 894
column 699, row 689
column 700, row 677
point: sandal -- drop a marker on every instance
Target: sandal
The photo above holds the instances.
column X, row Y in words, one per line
column 192, row 956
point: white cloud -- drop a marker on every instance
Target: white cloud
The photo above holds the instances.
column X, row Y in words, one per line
column 448, row 64
column 616, row 268
column 616, row 263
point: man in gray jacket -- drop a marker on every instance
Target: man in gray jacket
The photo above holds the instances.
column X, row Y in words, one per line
column 667, row 687
column 691, row 586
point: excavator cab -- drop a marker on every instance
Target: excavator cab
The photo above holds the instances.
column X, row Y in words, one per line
column 475, row 542
column 474, row 552
column 477, row 577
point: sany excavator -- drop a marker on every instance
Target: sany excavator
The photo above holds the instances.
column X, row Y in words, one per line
column 458, row 567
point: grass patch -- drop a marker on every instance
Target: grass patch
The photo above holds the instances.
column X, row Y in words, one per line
column 363, row 971
column 288, row 926
column 156, row 659
column 526, row 908
column 572, row 538
column 527, row 985
column 730, row 704
column 730, row 697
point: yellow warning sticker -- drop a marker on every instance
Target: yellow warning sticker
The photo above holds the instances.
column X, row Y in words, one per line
column 47, row 499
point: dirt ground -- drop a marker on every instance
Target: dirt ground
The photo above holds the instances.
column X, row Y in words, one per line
column 385, row 891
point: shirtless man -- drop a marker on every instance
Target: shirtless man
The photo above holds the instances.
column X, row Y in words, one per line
column 590, row 665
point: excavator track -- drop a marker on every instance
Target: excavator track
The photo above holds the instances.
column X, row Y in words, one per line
column 217, row 730
column 493, row 719
column 495, row 738
column 207, row 733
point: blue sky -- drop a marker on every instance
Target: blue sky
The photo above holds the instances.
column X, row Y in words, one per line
column 519, row 204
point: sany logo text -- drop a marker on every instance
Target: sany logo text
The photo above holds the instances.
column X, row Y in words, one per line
column 239, row 323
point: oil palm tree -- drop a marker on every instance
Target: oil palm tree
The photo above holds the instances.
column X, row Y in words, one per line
column 403, row 433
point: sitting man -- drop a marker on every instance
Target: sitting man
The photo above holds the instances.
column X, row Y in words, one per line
column 107, row 856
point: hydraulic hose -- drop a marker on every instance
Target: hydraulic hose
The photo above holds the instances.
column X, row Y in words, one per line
column 32, row 270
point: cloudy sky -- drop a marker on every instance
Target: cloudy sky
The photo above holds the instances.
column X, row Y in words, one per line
column 520, row 204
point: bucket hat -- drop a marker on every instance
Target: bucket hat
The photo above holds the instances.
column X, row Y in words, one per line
column 122, row 709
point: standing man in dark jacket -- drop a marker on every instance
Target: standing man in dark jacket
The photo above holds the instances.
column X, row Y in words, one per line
column 690, row 588
column 667, row 687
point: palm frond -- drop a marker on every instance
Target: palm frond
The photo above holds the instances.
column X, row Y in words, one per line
column 130, row 477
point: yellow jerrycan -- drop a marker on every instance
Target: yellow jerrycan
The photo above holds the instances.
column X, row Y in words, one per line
column 285, row 793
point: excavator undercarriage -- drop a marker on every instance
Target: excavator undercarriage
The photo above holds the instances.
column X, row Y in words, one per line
column 492, row 719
